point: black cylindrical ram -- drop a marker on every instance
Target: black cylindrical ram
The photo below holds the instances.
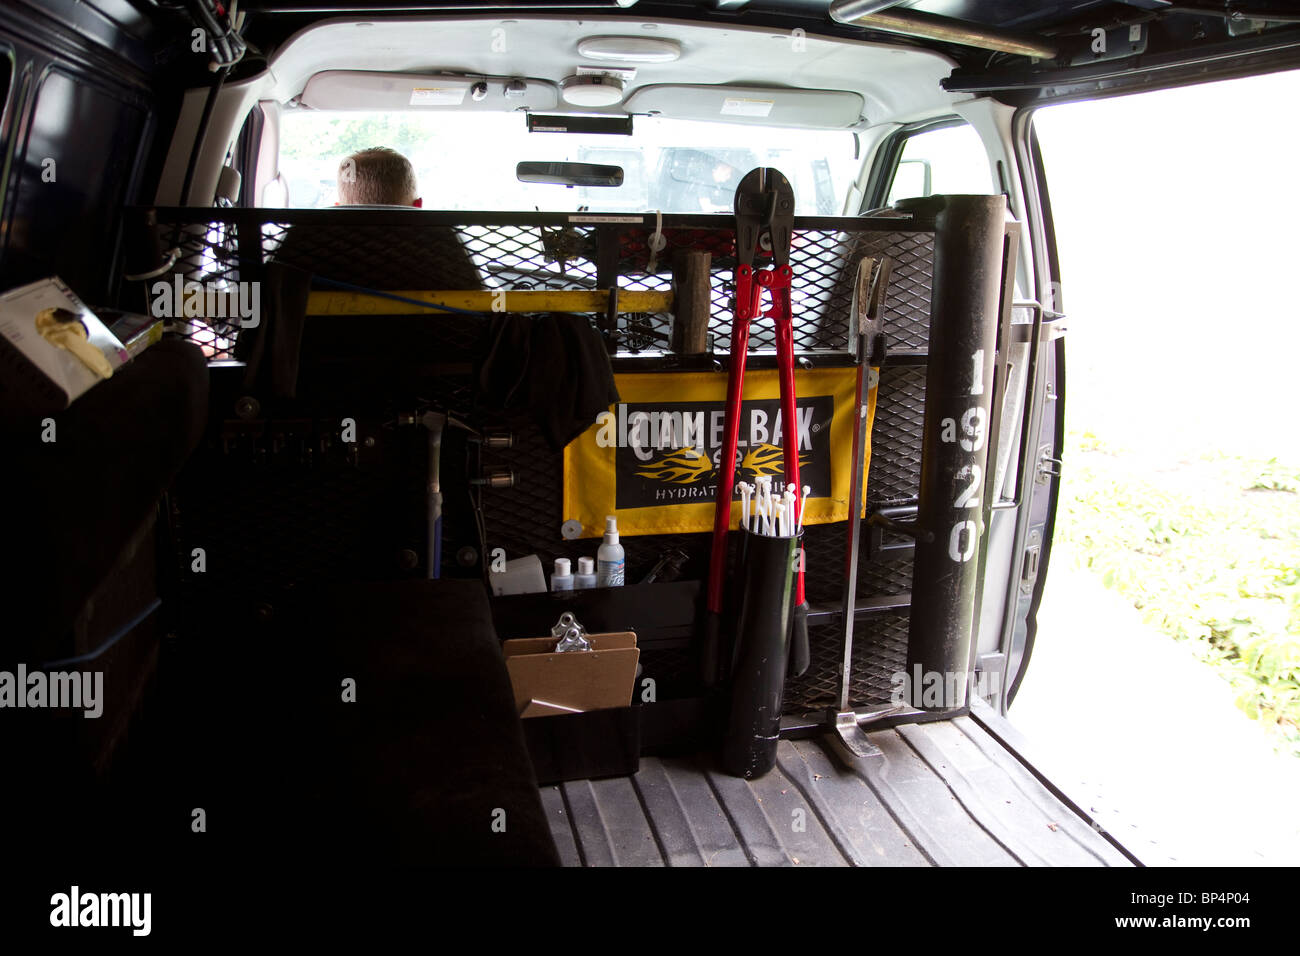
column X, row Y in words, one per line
column 968, row 270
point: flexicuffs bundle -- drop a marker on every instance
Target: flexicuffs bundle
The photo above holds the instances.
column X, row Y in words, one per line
column 52, row 349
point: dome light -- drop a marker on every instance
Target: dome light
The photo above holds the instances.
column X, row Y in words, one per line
column 630, row 49
column 592, row 90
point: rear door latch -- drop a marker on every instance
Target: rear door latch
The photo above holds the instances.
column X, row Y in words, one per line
column 1029, row 567
column 1048, row 467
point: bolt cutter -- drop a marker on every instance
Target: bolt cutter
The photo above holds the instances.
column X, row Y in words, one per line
column 764, row 220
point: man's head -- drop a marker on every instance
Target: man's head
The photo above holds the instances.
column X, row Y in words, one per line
column 377, row 177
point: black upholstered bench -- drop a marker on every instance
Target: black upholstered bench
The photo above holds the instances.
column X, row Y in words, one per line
column 428, row 763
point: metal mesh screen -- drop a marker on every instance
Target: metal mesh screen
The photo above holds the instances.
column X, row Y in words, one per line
column 274, row 507
column 895, row 473
column 879, row 652
column 437, row 252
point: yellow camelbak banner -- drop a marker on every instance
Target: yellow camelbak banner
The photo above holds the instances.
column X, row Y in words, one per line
column 652, row 459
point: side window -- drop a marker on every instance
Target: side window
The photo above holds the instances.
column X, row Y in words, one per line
column 950, row 159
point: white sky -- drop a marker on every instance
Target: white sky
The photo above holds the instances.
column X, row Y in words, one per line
column 1177, row 215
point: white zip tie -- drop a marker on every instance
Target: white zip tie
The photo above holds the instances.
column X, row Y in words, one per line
column 803, row 501
column 656, row 243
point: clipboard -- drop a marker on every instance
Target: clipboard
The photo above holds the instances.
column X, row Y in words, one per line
column 546, row 682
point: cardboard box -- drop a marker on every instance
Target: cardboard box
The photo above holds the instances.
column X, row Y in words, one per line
column 52, row 348
column 546, row 682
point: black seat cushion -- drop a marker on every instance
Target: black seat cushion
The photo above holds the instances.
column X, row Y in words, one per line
column 428, row 765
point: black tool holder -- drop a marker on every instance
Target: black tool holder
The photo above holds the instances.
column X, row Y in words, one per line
column 972, row 266
column 762, row 644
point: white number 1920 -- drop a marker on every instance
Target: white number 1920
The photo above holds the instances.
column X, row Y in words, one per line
column 962, row 539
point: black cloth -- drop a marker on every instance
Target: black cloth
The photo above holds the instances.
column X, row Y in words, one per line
column 390, row 257
column 555, row 366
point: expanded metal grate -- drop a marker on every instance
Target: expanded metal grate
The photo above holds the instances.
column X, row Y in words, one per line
column 274, row 508
column 402, row 251
column 895, row 473
column 879, row 652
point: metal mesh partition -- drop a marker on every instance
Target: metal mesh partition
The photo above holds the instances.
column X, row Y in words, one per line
column 879, row 652
column 277, row 505
column 539, row 251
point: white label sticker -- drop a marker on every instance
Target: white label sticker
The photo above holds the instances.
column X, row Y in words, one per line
column 438, row 96
column 625, row 74
column 607, row 219
column 736, row 106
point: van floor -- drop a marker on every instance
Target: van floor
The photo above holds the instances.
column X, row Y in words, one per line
column 945, row 793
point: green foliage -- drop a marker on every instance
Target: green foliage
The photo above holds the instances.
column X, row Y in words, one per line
column 1275, row 477
column 1209, row 551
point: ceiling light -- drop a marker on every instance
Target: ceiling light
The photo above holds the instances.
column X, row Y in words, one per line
column 599, row 90
column 630, row 49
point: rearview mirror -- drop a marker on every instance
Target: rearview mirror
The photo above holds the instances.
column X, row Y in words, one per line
column 570, row 174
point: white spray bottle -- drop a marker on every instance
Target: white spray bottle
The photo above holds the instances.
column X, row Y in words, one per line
column 609, row 557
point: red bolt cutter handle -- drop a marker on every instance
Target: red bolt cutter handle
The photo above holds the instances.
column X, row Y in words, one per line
column 747, row 297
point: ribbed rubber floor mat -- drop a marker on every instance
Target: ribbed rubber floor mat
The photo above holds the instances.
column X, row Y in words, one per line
column 941, row 794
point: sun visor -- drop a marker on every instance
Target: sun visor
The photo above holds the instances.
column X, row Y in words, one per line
column 390, row 92
column 757, row 105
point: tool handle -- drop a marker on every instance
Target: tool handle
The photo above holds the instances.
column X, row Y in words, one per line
column 435, row 537
column 800, row 655
column 711, row 650
column 789, row 411
column 731, row 434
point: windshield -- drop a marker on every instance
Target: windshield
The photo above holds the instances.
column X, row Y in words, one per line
column 467, row 161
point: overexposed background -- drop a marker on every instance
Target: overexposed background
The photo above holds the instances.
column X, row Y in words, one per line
column 1176, row 214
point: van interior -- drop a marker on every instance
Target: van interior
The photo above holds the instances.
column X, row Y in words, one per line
column 307, row 536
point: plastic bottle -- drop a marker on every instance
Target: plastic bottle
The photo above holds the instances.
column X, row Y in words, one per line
column 586, row 576
column 561, row 578
column 609, row 557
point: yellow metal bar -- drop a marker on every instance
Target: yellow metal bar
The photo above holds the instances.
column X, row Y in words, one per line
column 503, row 300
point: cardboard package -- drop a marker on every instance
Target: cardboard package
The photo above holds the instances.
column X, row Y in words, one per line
column 136, row 332
column 547, row 682
column 52, row 348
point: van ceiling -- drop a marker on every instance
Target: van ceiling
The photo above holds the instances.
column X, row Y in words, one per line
column 892, row 81
column 1178, row 39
